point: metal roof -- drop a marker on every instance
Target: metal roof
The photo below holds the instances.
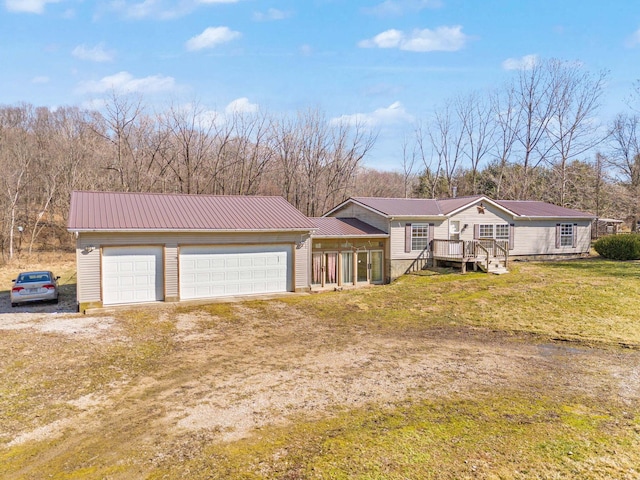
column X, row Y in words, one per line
column 426, row 207
column 448, row 205
column 344, row 227
column 401, row 207
column 531, row 208
column 118, row 211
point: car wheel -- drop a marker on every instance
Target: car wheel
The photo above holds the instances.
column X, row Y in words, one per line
column 56, row 300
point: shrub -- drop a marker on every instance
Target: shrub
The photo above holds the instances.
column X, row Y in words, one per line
column 619, row 247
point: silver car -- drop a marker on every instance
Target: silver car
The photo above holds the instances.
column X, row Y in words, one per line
column 34, row 287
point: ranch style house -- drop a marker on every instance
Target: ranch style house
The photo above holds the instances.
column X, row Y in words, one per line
column 152, row 247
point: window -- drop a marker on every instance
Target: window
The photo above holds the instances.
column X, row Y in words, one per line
column 347, row 267
column 566, row 234
column 485, row 231
column 502, row 232
column 419, row 236
column 499, row 232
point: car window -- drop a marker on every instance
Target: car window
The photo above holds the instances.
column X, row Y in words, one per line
column 33, row 277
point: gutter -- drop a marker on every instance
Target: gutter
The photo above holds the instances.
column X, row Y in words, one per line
column 210, row 230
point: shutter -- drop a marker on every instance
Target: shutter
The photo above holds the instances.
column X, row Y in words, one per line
column 512, row 235
column 432, row 227
column 574, row 243
column 407, row 238
column 476, row 231
column 557, row 235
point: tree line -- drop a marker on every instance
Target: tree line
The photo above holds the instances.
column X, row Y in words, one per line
column 537, row 137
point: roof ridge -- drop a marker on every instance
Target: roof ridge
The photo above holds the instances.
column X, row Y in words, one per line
column 177, row 194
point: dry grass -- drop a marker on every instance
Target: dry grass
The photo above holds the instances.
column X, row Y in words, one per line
column 436, row 376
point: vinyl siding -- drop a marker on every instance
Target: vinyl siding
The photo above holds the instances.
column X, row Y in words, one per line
column 367, row 216
column 171, row 270
column 539, row 238
column 398, row 236
column 532, row 237
column 302, row 266
column 88, row 272
column 89, row 289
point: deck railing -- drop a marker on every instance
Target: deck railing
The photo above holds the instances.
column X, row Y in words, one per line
column 484, row 250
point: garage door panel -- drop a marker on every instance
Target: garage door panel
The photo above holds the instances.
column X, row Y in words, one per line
column 132, row 275
column 224, row 271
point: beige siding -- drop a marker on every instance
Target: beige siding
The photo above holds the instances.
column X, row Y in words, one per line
column 471, row 216
column 302, row 266
column 171, row 271
column 539, row 238
column 532, row 237
column 88, row 272
column 88, row 263
column 397, row 236
column 367, row 216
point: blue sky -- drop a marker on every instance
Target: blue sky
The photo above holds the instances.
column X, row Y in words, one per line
column 390, row 62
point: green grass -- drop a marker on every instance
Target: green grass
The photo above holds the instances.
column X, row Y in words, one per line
column 591, row 301
column 496, row 433
column 506, row 436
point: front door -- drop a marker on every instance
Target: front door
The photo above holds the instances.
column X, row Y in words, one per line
column 454, row 235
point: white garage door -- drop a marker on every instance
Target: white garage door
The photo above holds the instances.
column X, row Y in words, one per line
column 131, row 275
column 207, row 272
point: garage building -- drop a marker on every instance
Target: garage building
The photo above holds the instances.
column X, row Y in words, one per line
column 146, row 247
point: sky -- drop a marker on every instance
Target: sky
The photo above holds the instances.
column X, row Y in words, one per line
column 385, row 63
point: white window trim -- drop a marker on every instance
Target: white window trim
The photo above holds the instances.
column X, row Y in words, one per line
column 566, row 234
column 421, row 238
column 494, row 231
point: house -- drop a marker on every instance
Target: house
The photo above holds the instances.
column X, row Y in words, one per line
column 605, row 226
column 147, row 247
column 474, row 229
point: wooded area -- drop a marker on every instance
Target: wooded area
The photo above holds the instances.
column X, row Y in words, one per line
column 537, row 138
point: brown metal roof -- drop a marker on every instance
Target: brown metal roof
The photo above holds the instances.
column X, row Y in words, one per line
column 448, row 205
column 416, row 207
column 155, row 211
column 344, row 227
column 401, row 207
column 530, row 208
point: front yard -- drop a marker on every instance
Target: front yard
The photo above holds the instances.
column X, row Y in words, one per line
column 534, row 374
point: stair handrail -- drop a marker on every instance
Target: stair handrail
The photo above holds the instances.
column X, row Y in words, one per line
column 485, row 250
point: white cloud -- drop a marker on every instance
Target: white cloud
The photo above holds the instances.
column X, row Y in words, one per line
column 212, row 37
column 401, row 7
column 126, row 83
column 393, row 114
column 524, row 63
column 28, row 6
column 271, row 15
column 442, row 39
column 93, row 54
column 241, row 105
column 633, row 40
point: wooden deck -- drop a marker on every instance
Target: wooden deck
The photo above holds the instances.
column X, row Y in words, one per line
column 488, row 255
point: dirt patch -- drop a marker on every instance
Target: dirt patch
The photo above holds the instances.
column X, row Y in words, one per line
column 225, row 378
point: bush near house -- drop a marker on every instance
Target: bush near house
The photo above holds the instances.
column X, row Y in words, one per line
column 619, row 247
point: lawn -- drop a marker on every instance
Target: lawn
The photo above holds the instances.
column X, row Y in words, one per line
column 533, row 374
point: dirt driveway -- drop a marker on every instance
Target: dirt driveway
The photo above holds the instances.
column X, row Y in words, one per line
column 224, row 378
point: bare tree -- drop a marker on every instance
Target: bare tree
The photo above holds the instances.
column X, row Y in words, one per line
column 190, row 142
column 573, row 129
column 447, row 135
column 625, row 160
